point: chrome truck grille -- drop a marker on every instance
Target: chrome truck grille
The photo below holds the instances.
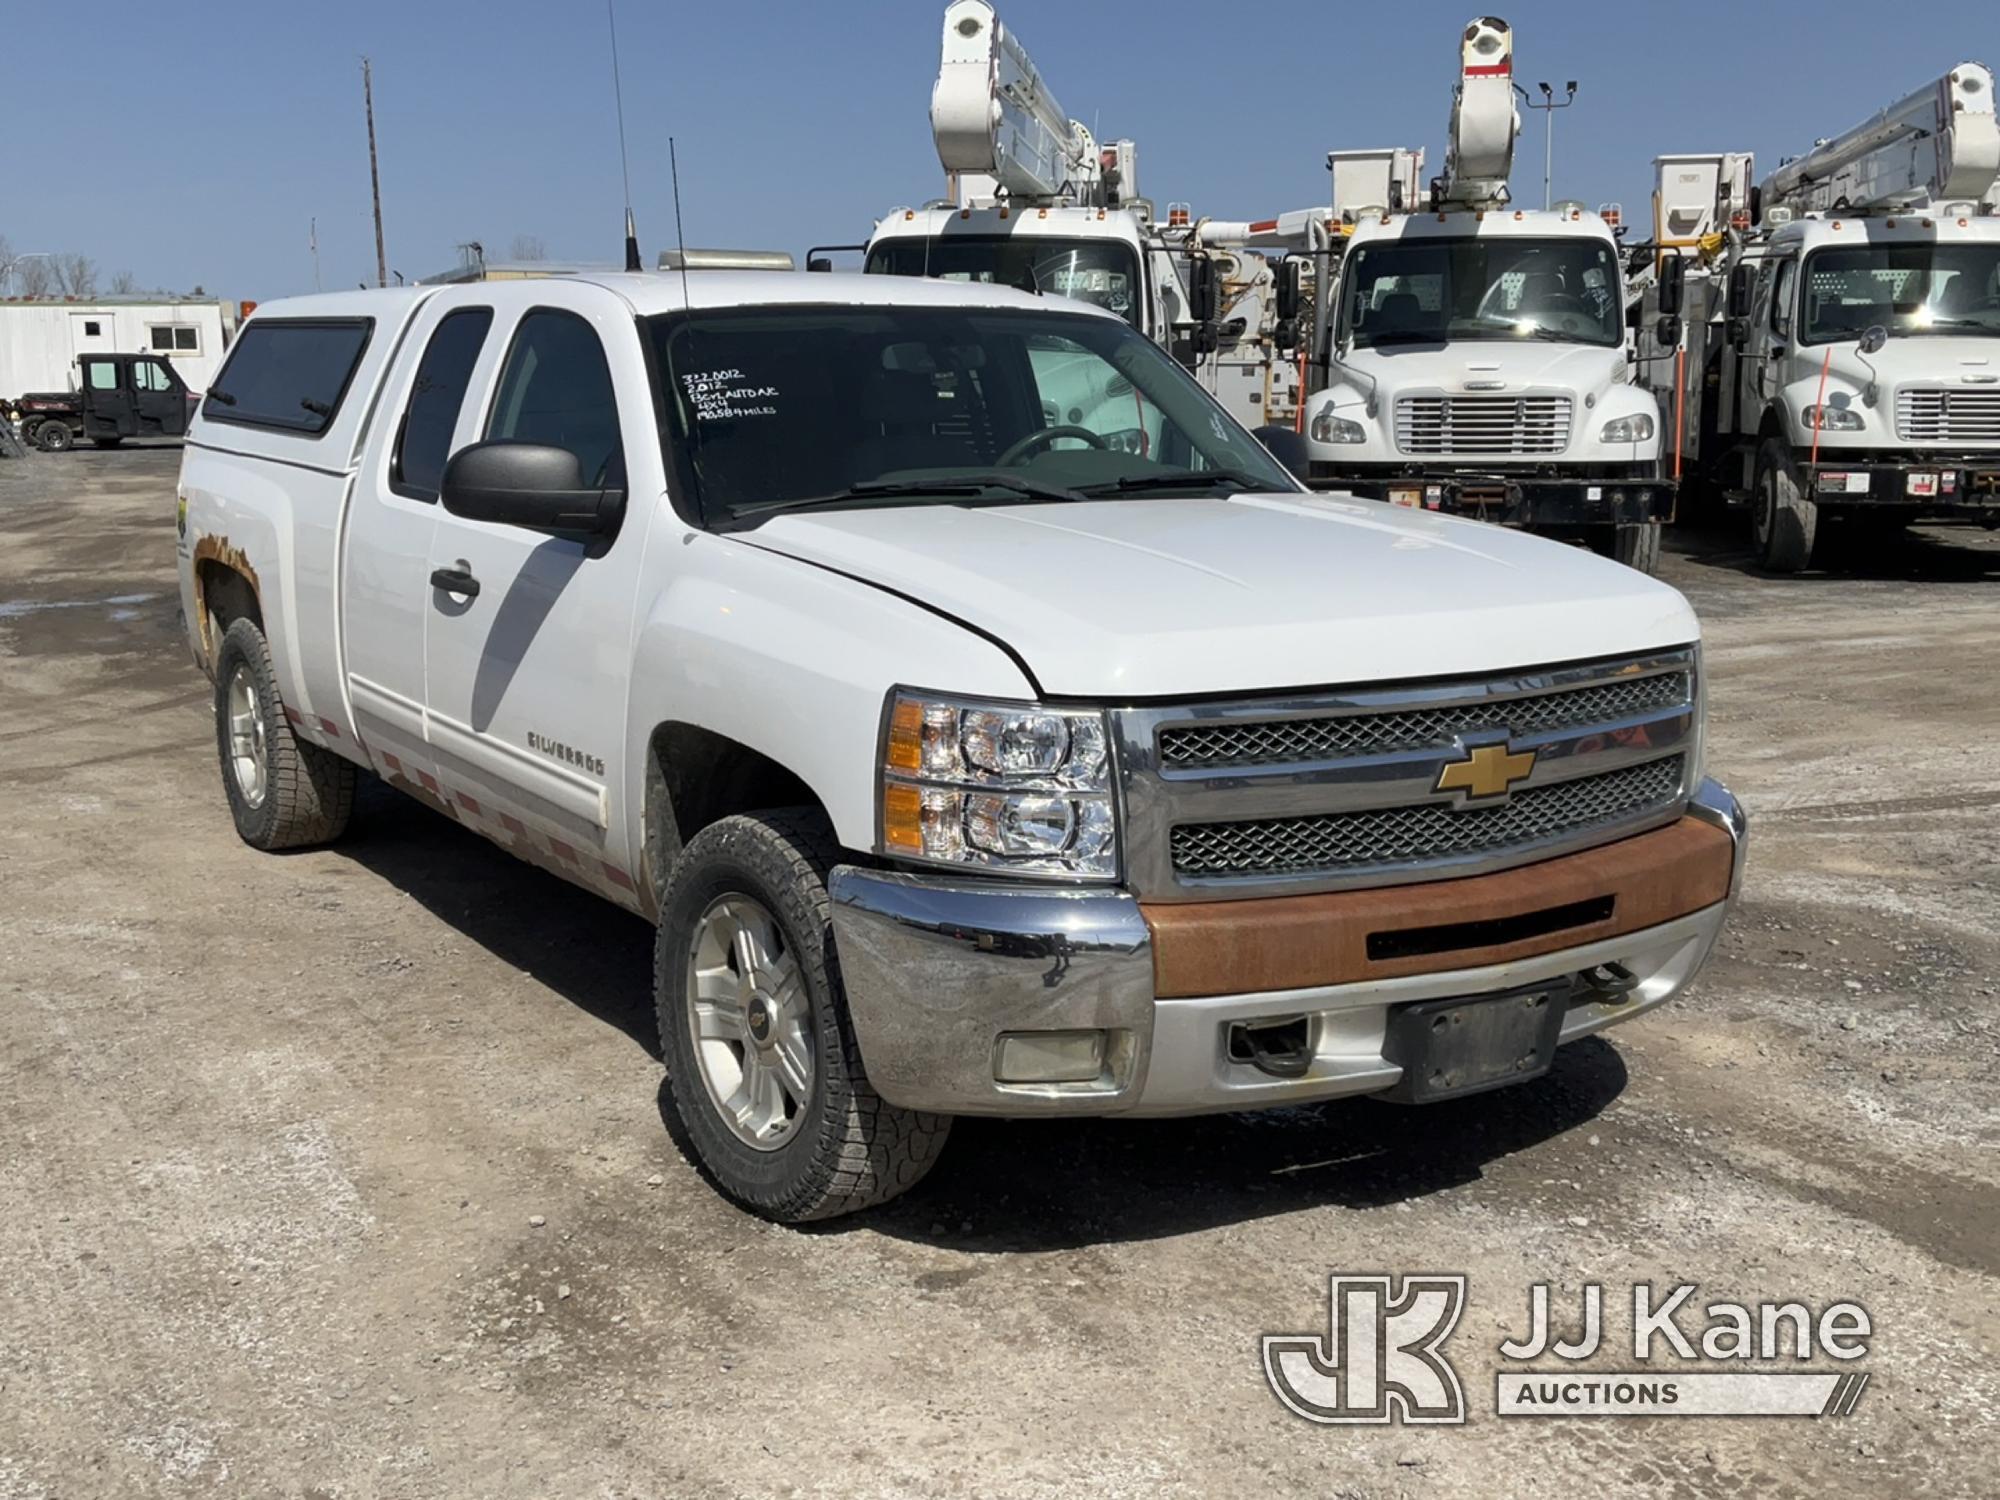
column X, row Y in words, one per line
column 1948, row 416
column 1387, row 785
column 1512, row 425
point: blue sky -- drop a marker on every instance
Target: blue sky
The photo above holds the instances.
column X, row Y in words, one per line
column 195, row 142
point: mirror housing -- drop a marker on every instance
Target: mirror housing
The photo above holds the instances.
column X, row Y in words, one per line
column 1739, row 292
column 820, row 263
column 530, row 485
column 1673, row 279
column 1872, row 339
column 1204, row 295
column 1668, row 331
column 1287, row 447
column 1291, row 288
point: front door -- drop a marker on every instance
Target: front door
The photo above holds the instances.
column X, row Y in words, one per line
column 527, row 663
column 159, row 400
column 107, row 400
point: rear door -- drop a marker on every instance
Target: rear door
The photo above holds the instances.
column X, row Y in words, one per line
column 107, row 400
column 527, row 678
column 159, row 400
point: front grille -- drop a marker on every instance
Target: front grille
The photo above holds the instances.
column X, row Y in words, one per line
column 1347, row 842
column 1483, row 424
column 1279, row 741
column 1947, row 416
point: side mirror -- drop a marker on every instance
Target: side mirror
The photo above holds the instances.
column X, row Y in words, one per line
column 1204, row 296
column 1739, row 292
column 1288, row 448
column 1673, row 277
column 530, row 485
column 1668, row 331
column 1873, row 338
column 1290, row 274
column 820, row 263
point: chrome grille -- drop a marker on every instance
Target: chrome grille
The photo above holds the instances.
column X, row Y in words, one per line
column 1303, row 741
column 1948, row 416
column 1348, row 842
column 1483, row 424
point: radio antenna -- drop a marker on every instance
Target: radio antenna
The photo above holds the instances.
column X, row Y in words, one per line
column 687, row 304
column 632, row 261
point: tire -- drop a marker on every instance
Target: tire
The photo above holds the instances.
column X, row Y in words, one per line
column 54, row 437
column 304, row 794
column 1637, row 545
column 1784, row 520
column 834, row 1146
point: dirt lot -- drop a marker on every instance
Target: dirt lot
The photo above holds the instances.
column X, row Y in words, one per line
column 342, row 1174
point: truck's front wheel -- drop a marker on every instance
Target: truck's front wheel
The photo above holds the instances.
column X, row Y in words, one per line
column 1785, row 519
column 762, row 1065
column 1637, row 545
column 284, row 792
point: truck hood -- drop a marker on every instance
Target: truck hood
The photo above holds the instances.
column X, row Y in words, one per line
column 1133, row 599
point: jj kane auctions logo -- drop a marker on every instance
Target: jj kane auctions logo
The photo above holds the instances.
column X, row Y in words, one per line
column 1381, row 1359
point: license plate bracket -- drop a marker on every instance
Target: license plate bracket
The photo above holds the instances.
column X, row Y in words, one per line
column 1450, row 1048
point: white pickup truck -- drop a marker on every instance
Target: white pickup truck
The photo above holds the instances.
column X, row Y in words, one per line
column 967, row 764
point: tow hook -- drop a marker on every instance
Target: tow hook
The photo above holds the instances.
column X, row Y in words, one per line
column 1608, row 983
column 1281, row 1048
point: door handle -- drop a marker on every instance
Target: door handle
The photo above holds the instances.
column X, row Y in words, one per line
column 455, row 580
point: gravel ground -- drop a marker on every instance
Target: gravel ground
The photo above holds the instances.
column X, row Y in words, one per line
column 342, row 1173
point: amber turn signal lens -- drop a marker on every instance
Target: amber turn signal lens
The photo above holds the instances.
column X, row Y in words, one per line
column 902, row 817
column 906, row 735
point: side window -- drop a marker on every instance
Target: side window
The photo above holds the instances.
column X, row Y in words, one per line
column 424, row 441
column 150, row 375
column 161, row 336
column 288, row 374
column 102, row 375
column 187, row 338
column 556, row 389
column 1781, row 299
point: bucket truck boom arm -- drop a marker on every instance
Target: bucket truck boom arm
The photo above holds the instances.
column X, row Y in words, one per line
column 1479, row 151
column 1940, row 145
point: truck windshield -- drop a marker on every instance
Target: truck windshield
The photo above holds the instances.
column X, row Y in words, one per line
column 1912, row 290
column 767, row 408
column 1431, row 291
column 1104, row 272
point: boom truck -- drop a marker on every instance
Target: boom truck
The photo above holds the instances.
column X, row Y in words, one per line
column 1472, row 357
column 1839, row 357
column 1034, row 201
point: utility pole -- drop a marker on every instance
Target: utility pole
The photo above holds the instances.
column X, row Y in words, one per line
column 374, row 176
column 1548, row 107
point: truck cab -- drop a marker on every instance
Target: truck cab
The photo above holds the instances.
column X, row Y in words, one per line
column 117, row 396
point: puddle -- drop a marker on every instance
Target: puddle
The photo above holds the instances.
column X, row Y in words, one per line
column 120, row 605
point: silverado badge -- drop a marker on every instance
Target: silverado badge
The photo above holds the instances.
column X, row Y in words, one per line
column 1485, row 773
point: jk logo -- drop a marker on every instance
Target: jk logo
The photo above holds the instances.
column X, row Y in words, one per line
column 1379, row 1361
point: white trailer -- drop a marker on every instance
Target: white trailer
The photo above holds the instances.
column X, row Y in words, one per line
column 1840, row 360
column 41, row 341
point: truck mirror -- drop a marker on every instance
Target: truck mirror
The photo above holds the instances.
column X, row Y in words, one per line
column 1290, row 287
column 1739, row 292
column 820, row 263
column 1287, row 447
column 1673, row 277
column 531, row 485
column 1873, row 338
column 1203, row 295
column 1668, row 331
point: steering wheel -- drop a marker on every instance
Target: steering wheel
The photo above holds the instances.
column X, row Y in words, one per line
column 1041, row 437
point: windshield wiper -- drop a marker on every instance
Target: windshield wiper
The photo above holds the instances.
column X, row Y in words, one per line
column 942, row 489
column 1174, row 479
column 1404, row 336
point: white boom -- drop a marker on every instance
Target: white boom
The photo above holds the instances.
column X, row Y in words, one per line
column 999, row 132
column 1479, row 150
column 1940, row 145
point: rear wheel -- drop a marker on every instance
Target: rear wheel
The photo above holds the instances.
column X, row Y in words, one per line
column 762, row 1065
column 1786, row 521
column 1638, row 545
column 283, row 791
column 54, row 437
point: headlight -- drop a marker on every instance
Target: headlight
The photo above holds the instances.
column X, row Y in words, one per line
column 1637, row 429
column 1327, row 428
column 1833, row 419
column 1001, row 786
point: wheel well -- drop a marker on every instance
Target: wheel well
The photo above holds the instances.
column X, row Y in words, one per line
column 223, row 596
column 695, row 777
column 1773, row 425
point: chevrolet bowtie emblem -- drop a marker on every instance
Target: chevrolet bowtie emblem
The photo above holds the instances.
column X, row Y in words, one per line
column 1486, row 772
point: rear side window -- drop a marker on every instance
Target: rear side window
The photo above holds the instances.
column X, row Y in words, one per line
column 556, row 390
column 424, row 443
column 288, row 374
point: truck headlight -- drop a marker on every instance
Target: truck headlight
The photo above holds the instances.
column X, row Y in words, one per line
column 1002, row 786
column 1635, row 429
column 1327, row 428
column 1833, row 419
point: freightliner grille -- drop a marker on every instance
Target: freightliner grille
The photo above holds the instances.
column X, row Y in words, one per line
column 1512, row 425
column 1427, row 831
column 1948, row 416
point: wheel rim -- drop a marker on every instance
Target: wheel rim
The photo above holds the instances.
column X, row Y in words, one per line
column 749, row 1020
column 249, row 759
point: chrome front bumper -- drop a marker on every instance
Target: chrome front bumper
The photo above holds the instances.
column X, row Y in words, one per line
column 937, row 971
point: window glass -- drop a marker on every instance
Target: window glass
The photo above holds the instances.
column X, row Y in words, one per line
column 1781, row 298
column 772, row 407
column 435, row 398
column 162, row 336
column 150, row 375
column 1924, row 288
column 93, row 330
column 1101, row 271
column 1429, row 291
column 186, row 337
column 288, row 375
column 556, row 389
column 102, row 375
